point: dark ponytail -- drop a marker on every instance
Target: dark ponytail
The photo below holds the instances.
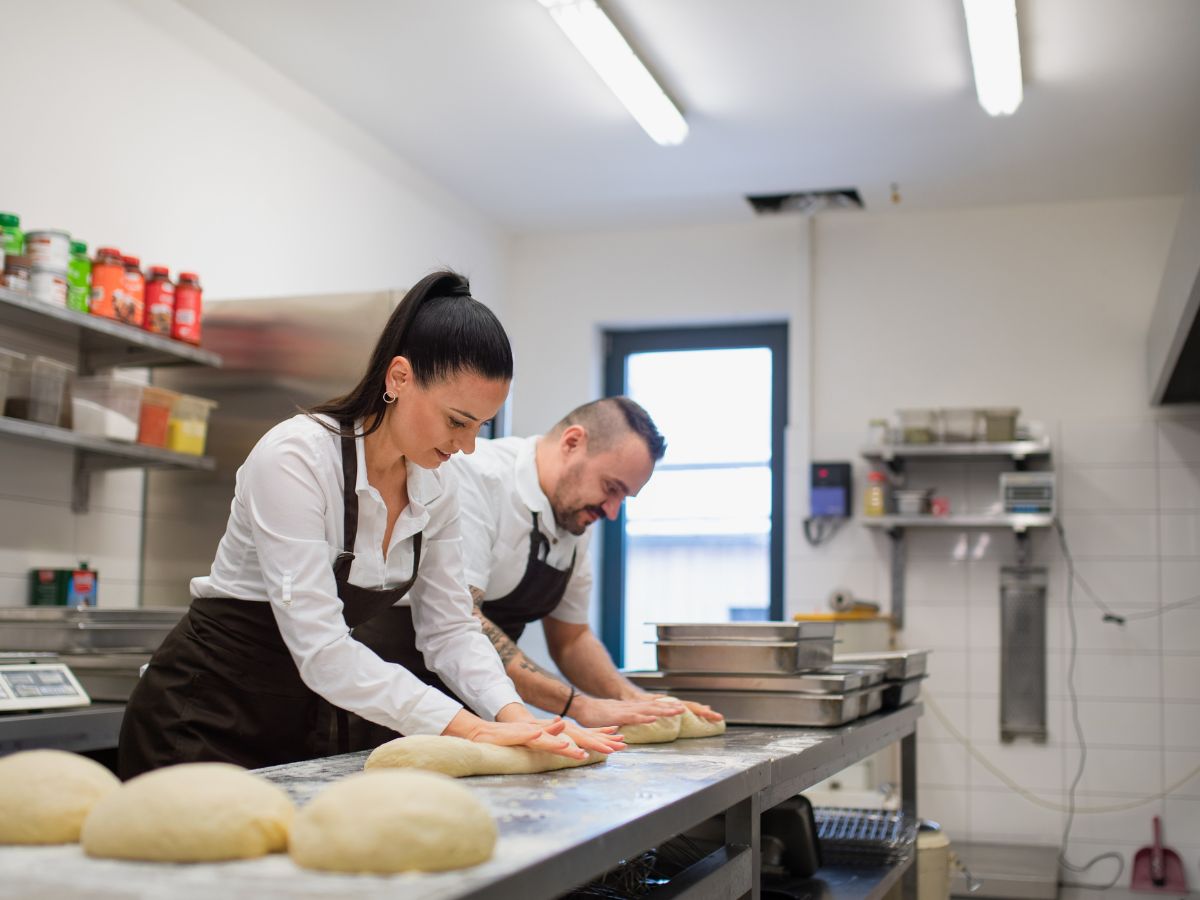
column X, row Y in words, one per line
column 442, row 331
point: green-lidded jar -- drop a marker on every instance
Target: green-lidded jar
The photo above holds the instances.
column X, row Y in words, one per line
column 79, row 277
column 13, row 238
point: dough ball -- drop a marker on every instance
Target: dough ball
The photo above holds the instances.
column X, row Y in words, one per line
column 693, row 726
column 460, row 758
column 46, row 794
column 662, row 731
column 195, row 812
column 389, row 821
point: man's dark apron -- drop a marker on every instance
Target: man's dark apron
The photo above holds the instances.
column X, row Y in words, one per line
column 224, row 687
column 539, row 591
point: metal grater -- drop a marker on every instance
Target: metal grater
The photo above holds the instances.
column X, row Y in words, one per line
column 864, row 837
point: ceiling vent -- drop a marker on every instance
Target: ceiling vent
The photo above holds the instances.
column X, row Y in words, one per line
column 805, row 202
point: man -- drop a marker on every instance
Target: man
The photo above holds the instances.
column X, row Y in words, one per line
column 527, row 504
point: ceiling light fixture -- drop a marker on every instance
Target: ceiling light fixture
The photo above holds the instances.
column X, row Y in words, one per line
column 602, row 45
column 995, row 54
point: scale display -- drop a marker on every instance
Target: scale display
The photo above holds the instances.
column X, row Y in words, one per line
column 39, row 686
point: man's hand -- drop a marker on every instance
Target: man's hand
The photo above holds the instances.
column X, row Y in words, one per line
column 595, row 712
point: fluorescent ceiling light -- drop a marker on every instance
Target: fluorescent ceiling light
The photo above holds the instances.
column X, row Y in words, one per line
column 995, row 54
column 596, row 37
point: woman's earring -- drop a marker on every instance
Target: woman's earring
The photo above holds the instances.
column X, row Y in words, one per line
column 389, row 397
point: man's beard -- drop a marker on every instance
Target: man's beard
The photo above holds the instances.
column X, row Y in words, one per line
column 568, row 517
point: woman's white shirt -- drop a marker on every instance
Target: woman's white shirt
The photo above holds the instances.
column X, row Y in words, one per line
column 283, row 535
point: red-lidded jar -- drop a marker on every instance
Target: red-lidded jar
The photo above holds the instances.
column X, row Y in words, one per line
column 186, row 324
column 160, row 301
column 108, row 282
column 132, row 309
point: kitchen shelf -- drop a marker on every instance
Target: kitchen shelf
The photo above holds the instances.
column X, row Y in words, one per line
column 1018, row 523
column 102, row 343
column 896, row 457
column 95, row 454
column 1015, row 450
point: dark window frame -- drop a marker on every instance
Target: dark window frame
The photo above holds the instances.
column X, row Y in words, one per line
column 619, row 344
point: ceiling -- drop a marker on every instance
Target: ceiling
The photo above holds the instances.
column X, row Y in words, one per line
column 489, row 98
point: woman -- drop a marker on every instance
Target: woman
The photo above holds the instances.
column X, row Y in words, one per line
column 338, row 515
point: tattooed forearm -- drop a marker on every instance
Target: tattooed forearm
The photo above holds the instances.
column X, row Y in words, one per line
column 530, row 666
column 533, row 683
column 501, row 641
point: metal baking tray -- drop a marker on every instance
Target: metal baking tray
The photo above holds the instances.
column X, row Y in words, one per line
column 106, row 676
column 807, row 710
column 773, row 632
column 825, row 681
column 753, row 658
column 63, row 629
column 902, row 693
column 900, row 664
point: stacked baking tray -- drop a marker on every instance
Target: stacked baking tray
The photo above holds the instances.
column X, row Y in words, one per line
column 763, row 673
column 904, row 670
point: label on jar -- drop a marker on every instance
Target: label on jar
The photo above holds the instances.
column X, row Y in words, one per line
column 160, row 306
column 49, row 287
column 108, row 281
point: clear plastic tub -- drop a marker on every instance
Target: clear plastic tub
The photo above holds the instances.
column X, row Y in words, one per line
column 918, row 426
column 960, row 425
column 106, row 406
column 155, row 415
column 37, row 390
column 188, row 427
column 9, row 360
column 1000, row 425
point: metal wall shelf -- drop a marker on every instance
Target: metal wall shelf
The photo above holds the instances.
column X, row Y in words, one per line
column 1018, row 523
column 896, row 458
column 101, row 344
column 1016, row 450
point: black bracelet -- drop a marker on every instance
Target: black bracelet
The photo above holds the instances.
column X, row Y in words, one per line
column 570, row 700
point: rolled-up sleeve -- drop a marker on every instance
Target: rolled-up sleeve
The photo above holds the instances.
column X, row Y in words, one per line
column 282, row 493
column 448, row 634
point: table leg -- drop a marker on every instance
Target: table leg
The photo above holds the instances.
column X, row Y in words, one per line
column 908, row 803
column 742, row 830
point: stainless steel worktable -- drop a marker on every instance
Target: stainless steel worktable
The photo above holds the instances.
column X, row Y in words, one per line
column 557, row 830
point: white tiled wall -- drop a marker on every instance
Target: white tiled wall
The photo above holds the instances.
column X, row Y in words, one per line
column 1130, row 503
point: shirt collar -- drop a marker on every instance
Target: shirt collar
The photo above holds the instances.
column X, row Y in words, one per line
column 529, row 489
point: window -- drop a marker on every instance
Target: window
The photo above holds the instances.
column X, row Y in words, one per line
column 704, row 539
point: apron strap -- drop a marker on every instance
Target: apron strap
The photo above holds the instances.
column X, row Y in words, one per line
column 349, row 482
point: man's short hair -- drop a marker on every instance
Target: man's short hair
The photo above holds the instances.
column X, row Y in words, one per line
column 610, row 419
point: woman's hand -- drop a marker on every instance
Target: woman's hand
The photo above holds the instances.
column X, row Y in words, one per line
column 595, row 711
column 600, row 740
column 515, row 733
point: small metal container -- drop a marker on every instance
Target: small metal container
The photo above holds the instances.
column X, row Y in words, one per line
column 831, row 680
column 86, row 629
column 794, row 709
column 901, row 693
column 750, row 658
column 900, row 665
column 743, row 631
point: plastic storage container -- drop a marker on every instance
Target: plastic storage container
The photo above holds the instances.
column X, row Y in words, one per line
column 959, row 425
column 37, row 390
column 1000, row 425
column 913, row 502
column 9, row 360
column 106, row 406
column 155, row 415
column 918, row 426
column 188, row 427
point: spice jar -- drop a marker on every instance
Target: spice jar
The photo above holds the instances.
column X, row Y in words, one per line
column 160, row 301
column 108, row 282
column 186, row 324
column 131, row 307
column 79, row 277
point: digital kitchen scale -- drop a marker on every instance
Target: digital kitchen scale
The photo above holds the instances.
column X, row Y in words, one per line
column 38, row 681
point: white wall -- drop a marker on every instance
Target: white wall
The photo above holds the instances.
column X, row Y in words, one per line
column 1042, row 307
column 177, row 145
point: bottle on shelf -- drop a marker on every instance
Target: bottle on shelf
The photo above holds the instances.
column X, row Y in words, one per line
column 875, row 496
